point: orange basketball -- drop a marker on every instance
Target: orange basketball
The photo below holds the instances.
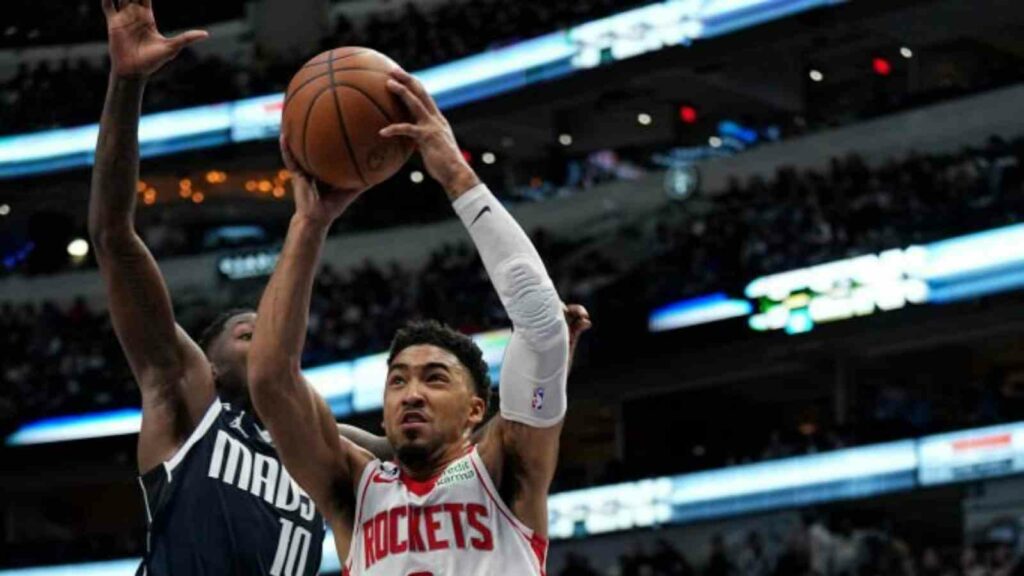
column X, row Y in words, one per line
column 335, row 106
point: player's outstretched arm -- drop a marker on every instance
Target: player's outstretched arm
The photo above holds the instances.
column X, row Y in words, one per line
column 299, row 420
column 523, row 439
column 376, row 445
column 171, row 371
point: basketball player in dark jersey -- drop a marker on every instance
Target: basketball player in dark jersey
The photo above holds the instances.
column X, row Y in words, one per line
column 218, row 501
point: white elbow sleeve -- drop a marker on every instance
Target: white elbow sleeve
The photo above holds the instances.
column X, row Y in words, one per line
column 533, row 382
column 535, row 369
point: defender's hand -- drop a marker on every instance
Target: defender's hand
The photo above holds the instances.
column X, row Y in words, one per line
column 432, row 134
column 579, row 322
column 311, row 203
column 137, row 49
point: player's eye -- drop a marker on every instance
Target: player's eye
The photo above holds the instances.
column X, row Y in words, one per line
column 246, row 336
column 437, row 377
column 396, row 381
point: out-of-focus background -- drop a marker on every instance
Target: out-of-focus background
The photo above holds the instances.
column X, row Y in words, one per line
column 796, row 225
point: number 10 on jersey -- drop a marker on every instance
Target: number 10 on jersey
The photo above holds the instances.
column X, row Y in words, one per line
column 292, row 550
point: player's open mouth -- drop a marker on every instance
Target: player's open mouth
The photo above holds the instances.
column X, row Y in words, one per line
column 413, row 418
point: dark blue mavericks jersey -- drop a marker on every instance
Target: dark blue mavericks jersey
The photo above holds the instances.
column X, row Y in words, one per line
column 225, row 505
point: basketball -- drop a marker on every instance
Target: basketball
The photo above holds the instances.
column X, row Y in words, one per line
column 334, row 109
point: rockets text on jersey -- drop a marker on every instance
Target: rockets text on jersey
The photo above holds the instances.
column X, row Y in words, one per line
column 451, row 525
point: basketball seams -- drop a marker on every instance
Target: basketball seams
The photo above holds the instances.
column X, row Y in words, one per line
column 365, row 94
column 305, row 130
column 341, row 123
column 293, row 93
column 330, row 58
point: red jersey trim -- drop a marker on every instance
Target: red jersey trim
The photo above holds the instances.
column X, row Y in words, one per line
column 420, row 487
column 369, row 473
column 537, row 543
column 364, row 481
column 423, row 487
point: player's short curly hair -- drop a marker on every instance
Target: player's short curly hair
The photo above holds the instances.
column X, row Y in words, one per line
column 434, row 333
column 216, row 327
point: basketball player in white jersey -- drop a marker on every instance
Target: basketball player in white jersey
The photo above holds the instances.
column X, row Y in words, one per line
column 447, row 506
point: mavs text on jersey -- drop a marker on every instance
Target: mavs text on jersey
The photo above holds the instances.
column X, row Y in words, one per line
column 226, row 505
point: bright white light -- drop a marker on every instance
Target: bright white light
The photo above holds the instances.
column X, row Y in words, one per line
column 906, row 52
column 816, row 75
column 416, row 176
column 715, row 142
column 488, row 158
column 565, row 139
column 5, row 209
column 78, row 248
column 644, row 119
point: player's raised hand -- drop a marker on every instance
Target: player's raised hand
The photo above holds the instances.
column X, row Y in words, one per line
column 322, row 207
column 433, row 135
column 137, row 48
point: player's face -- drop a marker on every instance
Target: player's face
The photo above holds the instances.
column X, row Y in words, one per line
column 429, row 403
column 230, row 354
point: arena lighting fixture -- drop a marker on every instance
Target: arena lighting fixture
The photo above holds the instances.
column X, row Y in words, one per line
column 688, row 114
column 906, row 52
column 78, row 248
column 644, row 119
column 565, row 139
column 715, row 142
column 600, row 42
column 696, row 311
column 488, row 158
column 416, row 176
column 881, row 66
column 964, row 267
column 816, row 75
column 5, row 209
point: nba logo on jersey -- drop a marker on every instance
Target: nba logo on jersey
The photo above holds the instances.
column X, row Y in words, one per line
column 388, row 472
column 538, row 399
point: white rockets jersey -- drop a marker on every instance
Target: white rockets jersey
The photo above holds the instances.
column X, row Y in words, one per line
column 453, row 525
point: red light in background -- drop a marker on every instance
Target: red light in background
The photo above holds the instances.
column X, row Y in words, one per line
column 688, row 114
column 467, row 156
column 881, row 66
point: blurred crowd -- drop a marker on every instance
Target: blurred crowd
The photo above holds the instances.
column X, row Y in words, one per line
column 64, row 359
column 813, row 547
column 419, row 38
column 69, row 93
column 30, row 23
column 801, row 218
